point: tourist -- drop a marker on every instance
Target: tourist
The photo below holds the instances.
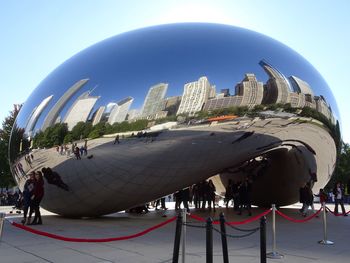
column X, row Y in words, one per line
column 228, row 193
column 211, row 194
column 338, row 192
column 245, row 190
column 27, row 196
column 306, row 198
column 37, row 196
column 116, row 140
column 77, row 153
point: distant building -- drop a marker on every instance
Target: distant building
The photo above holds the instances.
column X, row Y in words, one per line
column 98, row 115
column 277, row 88
column 57, row 108
column 172, row 104
column 225, row 92
column 133, row 114
column 80, row 110
column 251, row 90
column 224, row 102
column 35, row 115
column 158, row 115
column 154, row 100
column 120, row 110
column 195, row 95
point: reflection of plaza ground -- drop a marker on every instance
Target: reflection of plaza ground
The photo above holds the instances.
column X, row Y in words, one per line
column 298, row 242
column 137, row 170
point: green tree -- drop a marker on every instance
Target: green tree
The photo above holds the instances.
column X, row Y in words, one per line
column 81, row 130
column 52, row 136
column 6, row 178
column 342, row 169
column 98, row 130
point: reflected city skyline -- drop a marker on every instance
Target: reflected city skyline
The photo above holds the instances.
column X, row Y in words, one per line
column 197, row 96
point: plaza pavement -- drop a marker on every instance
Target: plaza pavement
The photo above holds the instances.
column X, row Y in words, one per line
column 297, row 241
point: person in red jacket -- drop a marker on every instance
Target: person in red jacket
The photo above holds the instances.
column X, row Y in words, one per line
column 37, row 196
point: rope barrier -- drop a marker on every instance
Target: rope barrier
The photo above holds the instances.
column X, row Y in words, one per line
column 254, row 218
column 195, row 226
column 216, row 222
column 237, row 236
column 337, row 214
column 298, row 220
column 95, row 240
column 238, row 229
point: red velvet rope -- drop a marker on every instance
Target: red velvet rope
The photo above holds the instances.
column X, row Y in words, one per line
column 72, row 239
column 298, row 220
column 216, row 222
column 337, row 213
column 250, row 219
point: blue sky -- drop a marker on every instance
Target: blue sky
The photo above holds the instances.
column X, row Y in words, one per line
column 37, row 36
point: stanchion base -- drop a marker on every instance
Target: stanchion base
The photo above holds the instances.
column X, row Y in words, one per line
column 326, row 242
column 274, row 255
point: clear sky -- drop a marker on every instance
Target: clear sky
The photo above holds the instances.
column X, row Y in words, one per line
column 37, row 36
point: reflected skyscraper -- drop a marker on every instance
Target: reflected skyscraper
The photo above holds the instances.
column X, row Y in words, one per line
column 154, row 100
column 300, row 85
column 98, row 115
column 56, row 109
column 195, row 95
column 277, row 87
column 322, row 106
column 172, row 104
column 35, row 116
column 120, row 110
column 80, row 110
column 133, row 114
column 251, row 90
column 297, row 100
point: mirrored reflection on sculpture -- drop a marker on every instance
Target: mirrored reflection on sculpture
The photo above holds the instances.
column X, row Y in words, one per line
column 151, row 111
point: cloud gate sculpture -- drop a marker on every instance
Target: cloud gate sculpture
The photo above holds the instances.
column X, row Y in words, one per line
column 151, row 111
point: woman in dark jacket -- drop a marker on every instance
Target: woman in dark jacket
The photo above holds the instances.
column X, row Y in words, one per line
column 37, row 197
column 28, row 190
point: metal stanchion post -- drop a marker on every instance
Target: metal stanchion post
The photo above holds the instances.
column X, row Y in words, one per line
column 223, row 238
column 274, row 254
column 177, row 239
column 325, row 241
column 184, row 212
column 263, row 239
column 2, row 220
column 209, row 239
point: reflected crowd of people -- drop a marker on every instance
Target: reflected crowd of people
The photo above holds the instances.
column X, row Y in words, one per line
column 74, row 149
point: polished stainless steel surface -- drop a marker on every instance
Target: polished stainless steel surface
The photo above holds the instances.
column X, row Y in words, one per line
column 161, row 108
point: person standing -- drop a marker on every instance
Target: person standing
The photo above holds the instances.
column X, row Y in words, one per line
column 27, row 195
column 338, row 192
column 228, row 193
column 306, row 198
column 211, row 194
column 116, row 140
column 77, row 153
column 185, row 197
column 38, row 195
column 245, row 191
